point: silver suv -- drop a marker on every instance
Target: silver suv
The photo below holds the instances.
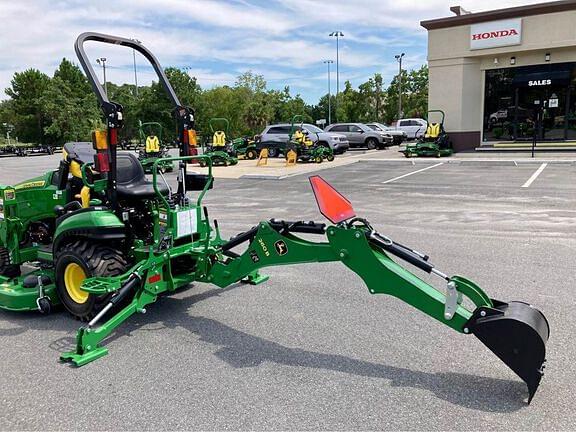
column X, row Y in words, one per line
column 360, row 135
column 280, row 133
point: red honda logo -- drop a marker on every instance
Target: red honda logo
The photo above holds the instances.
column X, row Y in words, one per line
column 494, row 34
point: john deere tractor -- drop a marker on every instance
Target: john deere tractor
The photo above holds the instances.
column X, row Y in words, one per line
column 99, row 237
column 150, row 134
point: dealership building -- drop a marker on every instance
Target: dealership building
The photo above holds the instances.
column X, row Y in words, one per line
column 503, row 76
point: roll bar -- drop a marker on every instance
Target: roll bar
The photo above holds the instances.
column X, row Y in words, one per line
column 117, row 40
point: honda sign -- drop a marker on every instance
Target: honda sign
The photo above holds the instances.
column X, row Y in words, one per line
column 496, row 34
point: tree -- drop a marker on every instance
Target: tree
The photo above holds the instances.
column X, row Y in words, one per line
column 371, row 100
column 26, row 91
column 69, row 106
column 54, row 110
column 414, row 95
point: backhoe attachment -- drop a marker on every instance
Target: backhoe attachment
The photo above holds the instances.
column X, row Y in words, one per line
column 516, row 332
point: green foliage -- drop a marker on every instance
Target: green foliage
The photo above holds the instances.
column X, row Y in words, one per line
column 28, row 115
column 414, row 95
column 64, row 108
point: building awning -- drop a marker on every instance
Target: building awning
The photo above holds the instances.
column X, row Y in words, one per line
column 542, row 79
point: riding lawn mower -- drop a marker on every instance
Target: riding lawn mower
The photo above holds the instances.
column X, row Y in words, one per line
column 306, row 150
column 150, row 133
column 435, row 142
column 105, row 242
column 220, row 150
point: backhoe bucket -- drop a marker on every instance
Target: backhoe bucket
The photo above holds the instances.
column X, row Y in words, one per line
column 517, row 333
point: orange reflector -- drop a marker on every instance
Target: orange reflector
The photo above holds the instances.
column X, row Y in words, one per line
column 154, row 278
column 331, row 203
column 192, row 140
column 99, row 140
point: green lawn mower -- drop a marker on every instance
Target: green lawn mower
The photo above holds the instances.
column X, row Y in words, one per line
column 219, row 150
column 306, row 149
column 245, row 147
column 150, row 134
column 106, row 242
column 435, row 142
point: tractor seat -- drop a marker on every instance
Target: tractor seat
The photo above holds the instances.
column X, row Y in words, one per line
column 131, row 182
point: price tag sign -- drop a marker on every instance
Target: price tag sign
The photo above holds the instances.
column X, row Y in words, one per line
column 552, row 103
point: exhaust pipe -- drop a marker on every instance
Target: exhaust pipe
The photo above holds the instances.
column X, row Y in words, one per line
column 517, row 333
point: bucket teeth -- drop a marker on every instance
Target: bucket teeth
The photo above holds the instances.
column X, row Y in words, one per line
column 517, row 333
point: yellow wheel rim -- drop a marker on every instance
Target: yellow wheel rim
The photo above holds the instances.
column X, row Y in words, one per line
column 74, row 275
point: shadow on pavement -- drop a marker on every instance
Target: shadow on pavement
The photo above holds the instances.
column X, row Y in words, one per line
column 242, row 350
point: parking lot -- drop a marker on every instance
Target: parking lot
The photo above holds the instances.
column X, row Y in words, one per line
column 311, row 348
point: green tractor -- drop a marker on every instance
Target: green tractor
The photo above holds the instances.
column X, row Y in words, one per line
column 435, row 142
column 245, row 147
column 106, row 242
column 219, row 150
column 150, row 134
column 306, row 149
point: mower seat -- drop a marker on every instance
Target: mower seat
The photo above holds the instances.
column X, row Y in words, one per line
column 219, row 139
column 432, row 131
column 152, row 144
column 131, row 182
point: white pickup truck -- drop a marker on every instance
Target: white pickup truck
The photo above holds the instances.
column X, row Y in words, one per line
column 414, row 127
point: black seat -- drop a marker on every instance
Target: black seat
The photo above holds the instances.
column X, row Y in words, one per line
column 131, row 180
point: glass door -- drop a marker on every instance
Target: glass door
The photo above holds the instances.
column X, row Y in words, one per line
column 554, row 115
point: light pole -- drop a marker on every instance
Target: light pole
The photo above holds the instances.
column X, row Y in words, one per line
column 135, row 74
column 102, row 61
column 9, row 129
column 329, row 62
column 337, row 35
column 398, row 58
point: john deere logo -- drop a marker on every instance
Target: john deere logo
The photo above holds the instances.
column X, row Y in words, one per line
column 281, row 247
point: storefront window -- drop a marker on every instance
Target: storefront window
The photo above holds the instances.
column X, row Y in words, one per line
column 513, row 95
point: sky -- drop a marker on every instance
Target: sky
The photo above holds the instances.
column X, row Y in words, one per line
column 286, row 41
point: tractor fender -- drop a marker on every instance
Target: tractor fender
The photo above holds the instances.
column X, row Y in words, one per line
column 90, row 223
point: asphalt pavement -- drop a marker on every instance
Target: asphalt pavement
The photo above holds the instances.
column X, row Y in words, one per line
column 311, row 349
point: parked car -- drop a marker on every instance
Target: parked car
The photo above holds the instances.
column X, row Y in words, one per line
column 414, row 127
column 360, row 135
column 280, row 133
column 398, row 136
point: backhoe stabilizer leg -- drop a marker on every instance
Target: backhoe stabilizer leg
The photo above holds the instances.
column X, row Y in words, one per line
column 88, row 339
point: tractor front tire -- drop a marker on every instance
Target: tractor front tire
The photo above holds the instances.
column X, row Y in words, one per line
column 251, row 154
column 6, row 269
column 77, row 261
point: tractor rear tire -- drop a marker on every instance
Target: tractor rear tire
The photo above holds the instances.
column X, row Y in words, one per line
column 77, row 261
column 7, row 269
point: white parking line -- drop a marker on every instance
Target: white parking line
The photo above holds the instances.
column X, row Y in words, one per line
column 535, row 175
column 413, row 172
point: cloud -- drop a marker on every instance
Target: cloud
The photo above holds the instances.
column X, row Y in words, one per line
column 285, row 40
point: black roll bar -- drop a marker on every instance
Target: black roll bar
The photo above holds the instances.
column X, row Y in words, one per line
column 117, row 40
